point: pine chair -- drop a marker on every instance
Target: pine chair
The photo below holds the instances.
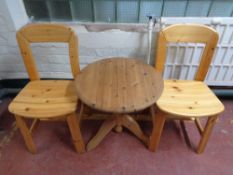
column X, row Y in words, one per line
column 47, row 99
column 187, row 99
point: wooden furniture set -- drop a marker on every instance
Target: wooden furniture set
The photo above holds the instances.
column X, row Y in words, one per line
column 118, row 86
column 122, row 86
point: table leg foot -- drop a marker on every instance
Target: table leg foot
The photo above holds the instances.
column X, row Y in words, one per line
column 133, row 126
column 105, row 128
column 117, row 122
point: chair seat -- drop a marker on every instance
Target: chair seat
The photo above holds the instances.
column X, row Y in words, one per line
column 45, row 99
column 184, row 98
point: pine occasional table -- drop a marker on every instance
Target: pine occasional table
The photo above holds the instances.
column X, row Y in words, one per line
column 119, row 86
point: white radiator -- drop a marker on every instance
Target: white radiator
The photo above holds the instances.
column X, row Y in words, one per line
column 183, row 59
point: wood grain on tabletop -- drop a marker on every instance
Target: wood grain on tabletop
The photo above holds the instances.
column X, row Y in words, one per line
column 119, row 85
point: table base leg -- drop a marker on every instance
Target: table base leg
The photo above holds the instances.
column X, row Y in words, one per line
column 105, row 128
column 117, row 123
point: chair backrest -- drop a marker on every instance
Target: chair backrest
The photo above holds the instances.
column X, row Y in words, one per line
column 35, row 33
column 193, row 33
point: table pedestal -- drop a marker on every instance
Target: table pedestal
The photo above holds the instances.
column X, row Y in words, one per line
column 117, row 121
column 119, row 86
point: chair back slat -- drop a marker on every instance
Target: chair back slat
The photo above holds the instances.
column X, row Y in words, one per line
column 193, row 33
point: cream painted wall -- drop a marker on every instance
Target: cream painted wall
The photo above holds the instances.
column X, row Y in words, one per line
column 53, row 60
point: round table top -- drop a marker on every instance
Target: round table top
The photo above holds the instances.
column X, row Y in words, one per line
column 119, row 85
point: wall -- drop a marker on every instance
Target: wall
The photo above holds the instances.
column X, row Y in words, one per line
column 53, row 60
column 11, row 64
column 183, row 59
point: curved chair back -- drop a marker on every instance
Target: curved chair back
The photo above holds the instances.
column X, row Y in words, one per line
column 193, row 33
column 34, row 33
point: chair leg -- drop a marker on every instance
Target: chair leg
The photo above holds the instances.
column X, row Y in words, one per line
column 75, row 131
column 34, row 125
column 185, row 134
column 158, row 123
column 206, row 134
column 26, row 134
